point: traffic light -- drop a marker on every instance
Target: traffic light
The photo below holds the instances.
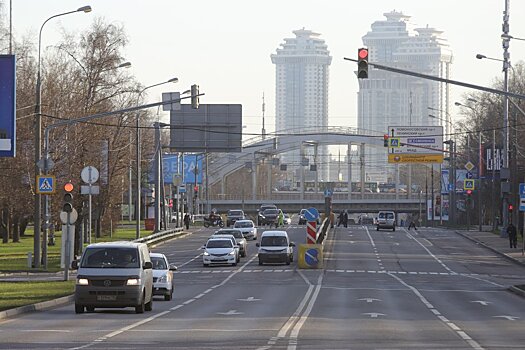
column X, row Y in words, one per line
column 385, row 140
column 362, row 63
column 68, row 198
column 196, row 191
column 194, row 97
column 469, row 193
column 511, row 208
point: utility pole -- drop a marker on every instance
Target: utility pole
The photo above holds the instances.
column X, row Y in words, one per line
column 505, row 131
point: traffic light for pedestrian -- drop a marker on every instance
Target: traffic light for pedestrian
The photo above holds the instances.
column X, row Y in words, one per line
column 511, row 208
column 68, row 198
column 362, row 63
column 385, row 140
column 194, row 97
column 469, row 193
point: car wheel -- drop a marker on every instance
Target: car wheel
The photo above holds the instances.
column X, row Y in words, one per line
column 394, row 229
column 287, row 260
column 234, row 264
column 169, row 296
column 255, row 238
column 377, row 228
column 79, row 309
column 149, row 306
column 90, row 308
column 205, row 265
column 291, row 257
column 139, row 309
column 244, row 253
column 260, row 262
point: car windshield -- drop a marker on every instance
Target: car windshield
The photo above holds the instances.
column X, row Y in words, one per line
column 271, row 212
column 274, row 241
column 234, row 233
column 219, row 243
column 235, row 213
column 110, row 258
column 245, row 224
column 159, row 263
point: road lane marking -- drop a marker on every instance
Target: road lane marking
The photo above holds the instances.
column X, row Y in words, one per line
column 473, row 344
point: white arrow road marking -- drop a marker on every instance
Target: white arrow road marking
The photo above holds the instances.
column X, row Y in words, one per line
column 482, row 302
column 231, row 312
column 510, row 318
column 249, row 299
column 369, row 300
column 374, row 314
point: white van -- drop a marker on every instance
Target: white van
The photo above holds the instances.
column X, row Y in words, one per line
column 114, row 275
column 386, row 219
column 275, row 247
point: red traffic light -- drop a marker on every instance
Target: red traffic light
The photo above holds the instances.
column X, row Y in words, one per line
column 511, row 207
column 196, row 188
column 68, row 187
column 362, row 54
column 469, row 192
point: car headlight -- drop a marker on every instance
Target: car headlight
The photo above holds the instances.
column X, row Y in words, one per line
column 82, row 281
column 251, row 231
column 163, row 278
column 232, row 252
column 133, row 282
column 205, row 253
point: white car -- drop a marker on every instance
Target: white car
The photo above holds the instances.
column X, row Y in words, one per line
column 247, row 228
column 220, row 250
column 287, row 219
column 162, row 276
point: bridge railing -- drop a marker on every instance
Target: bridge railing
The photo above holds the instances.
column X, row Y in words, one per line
column 293, row 195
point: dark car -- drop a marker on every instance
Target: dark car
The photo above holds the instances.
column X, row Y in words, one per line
column 269, row 217
column 260, row 211
column 234, row 215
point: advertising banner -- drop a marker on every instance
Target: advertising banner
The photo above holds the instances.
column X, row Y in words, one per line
column 191, row 169
column 7, row 106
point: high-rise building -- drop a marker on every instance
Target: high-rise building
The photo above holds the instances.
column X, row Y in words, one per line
column 301, row 92
column 389, row 99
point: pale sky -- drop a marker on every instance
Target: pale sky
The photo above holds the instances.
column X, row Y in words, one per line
column 225, row 46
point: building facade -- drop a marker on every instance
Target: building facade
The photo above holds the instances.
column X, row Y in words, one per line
column 389, row 99
column 301, row 94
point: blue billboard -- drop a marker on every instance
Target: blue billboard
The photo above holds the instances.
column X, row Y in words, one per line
column 172, row 165
column 7, row 106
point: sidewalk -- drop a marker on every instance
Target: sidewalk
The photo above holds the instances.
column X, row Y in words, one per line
column 497, row 244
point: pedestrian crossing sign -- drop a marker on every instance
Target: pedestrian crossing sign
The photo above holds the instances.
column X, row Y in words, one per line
column 394, row 142
column 45, row 184
column 468, row 184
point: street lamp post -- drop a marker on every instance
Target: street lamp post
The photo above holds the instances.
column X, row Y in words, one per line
column 38, row 141
column 138, row 156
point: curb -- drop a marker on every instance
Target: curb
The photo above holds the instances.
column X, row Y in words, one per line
column 510, row 258
column 518, row 291
column 37, row 307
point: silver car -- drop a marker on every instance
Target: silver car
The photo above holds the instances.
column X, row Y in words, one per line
column 247, row 228
column 239, row 239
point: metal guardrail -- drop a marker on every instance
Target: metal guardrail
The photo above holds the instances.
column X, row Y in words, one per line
column 160, row 236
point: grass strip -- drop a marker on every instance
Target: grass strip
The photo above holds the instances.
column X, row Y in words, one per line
column 15, row 294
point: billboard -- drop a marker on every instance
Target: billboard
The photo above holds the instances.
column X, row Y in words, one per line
column 415, row 144
column 172, row 165
column 210, row 128
column 7, row 106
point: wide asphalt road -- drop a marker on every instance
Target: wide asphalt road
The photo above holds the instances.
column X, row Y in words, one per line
column 425, row 289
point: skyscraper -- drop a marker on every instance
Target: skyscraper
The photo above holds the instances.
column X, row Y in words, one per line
column 301, row 90
column 390, row 99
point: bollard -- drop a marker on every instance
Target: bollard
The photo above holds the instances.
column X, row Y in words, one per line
column 29, row 259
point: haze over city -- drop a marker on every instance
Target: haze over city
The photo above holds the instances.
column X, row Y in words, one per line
column 225, row 46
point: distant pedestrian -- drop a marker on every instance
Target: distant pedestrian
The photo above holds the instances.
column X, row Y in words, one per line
column 412, row 224
column 340, row 219
column 513, row 235
column 345, row 218
column 187, row 221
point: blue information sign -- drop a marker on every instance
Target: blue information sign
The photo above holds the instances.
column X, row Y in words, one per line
column 522, row 189
column 311, row 257
column 172, row 165
column 328, row 192
column 7, row 106
column 311, row 214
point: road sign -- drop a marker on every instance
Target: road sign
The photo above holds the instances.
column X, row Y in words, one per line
column 45, row 184
column 394, row 142
column 468, row 184
column 469, row 175
column 311, row 232
column 177, row 179
column 522, row 189
column 73, row 216
column 311, row 257
column 328, row 192
column 89, row 174
column 89, row 189
column 522, row 202
column 417, row 144
column 311, row 214
column 469, row 166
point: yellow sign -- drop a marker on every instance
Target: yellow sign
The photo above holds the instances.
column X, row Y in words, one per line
column 468, row 184
column 415, row 158
column 394, row 142
column 310, row 256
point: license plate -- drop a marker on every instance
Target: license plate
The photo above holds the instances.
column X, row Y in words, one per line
column 106, row 297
